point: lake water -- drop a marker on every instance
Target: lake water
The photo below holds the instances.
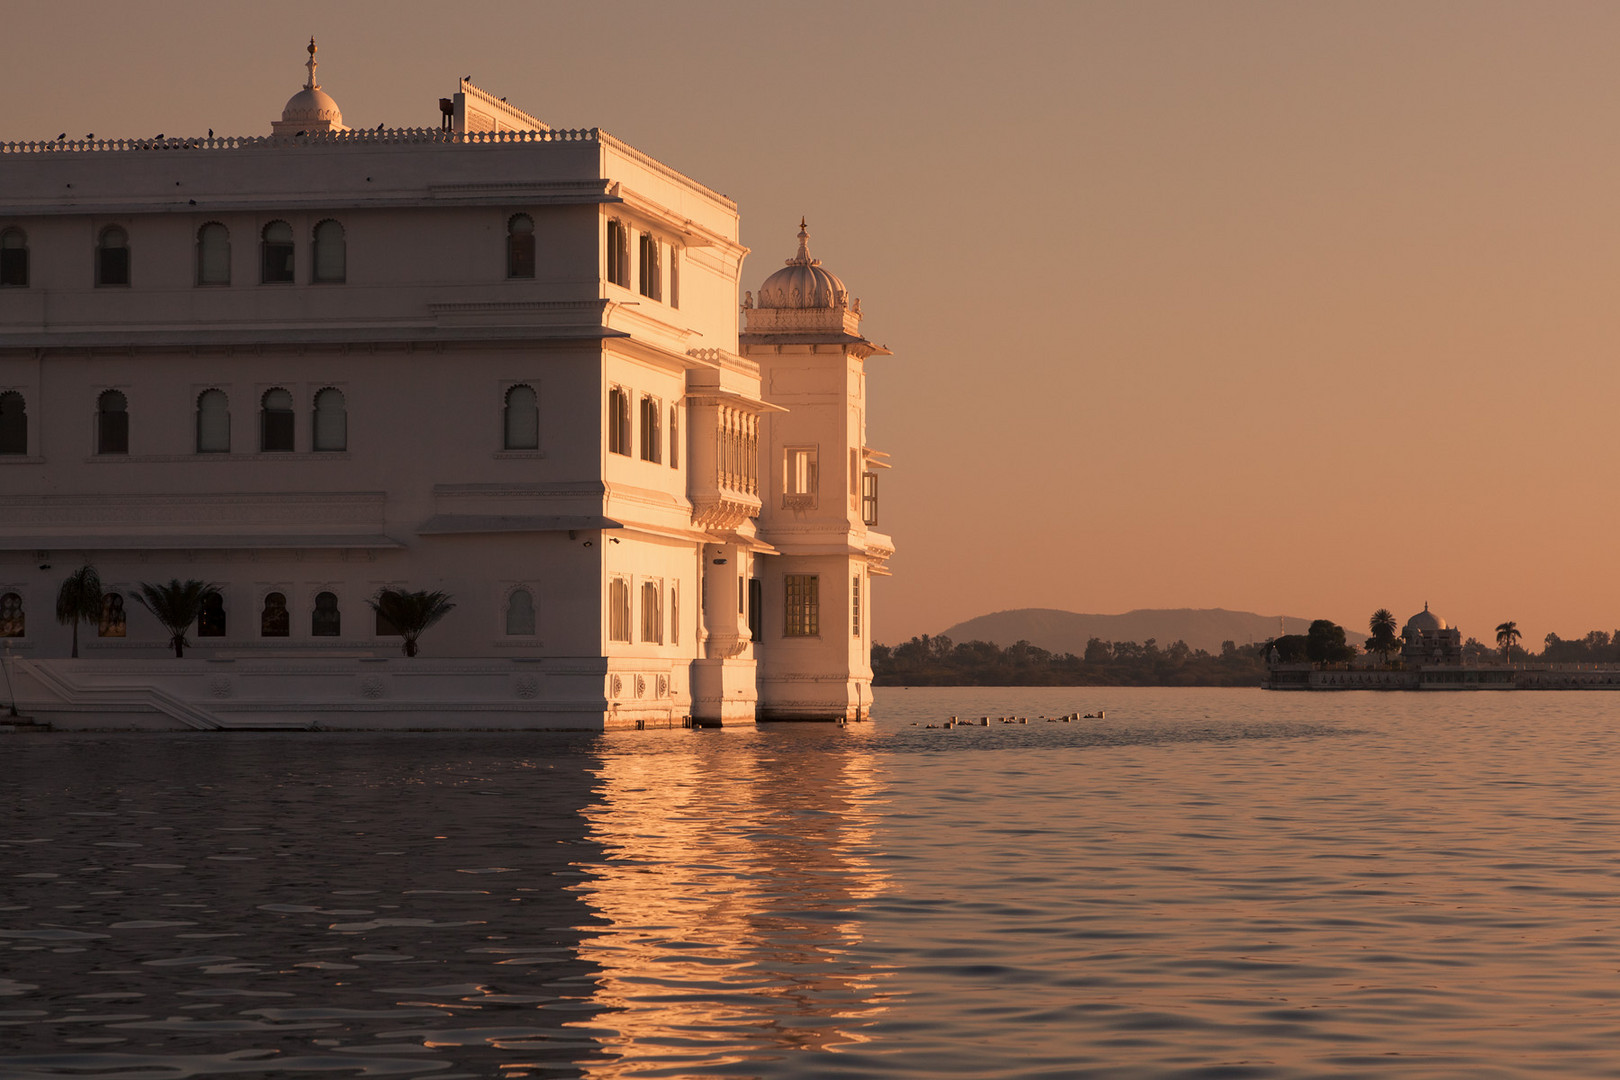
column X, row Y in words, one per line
column 1207, row 883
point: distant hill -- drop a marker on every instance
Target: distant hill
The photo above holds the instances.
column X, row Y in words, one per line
column 1068, row 631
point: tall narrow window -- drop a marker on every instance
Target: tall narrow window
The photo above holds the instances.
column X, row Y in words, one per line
column 803, row 608
column 675, row 613
column 756, row 605
column 801, row 476
column 652, row 275
column 869, row 498
column 211, row 620
column 674, row 276
column 331, row 421
column 652, row 612
column 855, row 604
column 213, row 254
column 213, row 422
column 13, row 259
column 12, row 623
column 13, row 423
column 520, row 246
column 674, row 438
column 112, row 257
column 274, row 620
column 112, row 423
column 113, row 621
column 326, row 620
column 276, row 421
column 331, row 253
column 276, row 253
column 651, row 438
column 522, row 419
column 618, row 609
column 383, row 626
column 520, row 613
column 619, row 421
column 618, row 253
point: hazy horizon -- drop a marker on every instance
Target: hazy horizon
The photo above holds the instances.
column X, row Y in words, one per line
column 1261, row 306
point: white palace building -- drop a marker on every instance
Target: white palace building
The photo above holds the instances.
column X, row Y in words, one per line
column 484, row 357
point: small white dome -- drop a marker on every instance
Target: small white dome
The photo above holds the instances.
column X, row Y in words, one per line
column 314, row 106
column 803, row 283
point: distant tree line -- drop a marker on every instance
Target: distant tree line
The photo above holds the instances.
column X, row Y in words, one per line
column 938, row 661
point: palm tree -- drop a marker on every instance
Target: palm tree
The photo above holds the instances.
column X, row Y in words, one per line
column 79, row 600
column 176, row 605
column 1507, row 638
column 1383, row 640
column 410, row 613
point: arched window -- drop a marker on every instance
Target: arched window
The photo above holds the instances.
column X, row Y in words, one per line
column 113, row 620
column 13, row 259
column 651, row 438
column 11, row 615
column 652, row 275
column 618, row 609
column 520, row 246
column 520, row 613
column 213, row 422
column 276, row 253
column 652, row 613
column 618, row 253
column 13, row 423
column 383, row 626
column 331, row 420
column 273, row 620
column 213, row 254
column 326, row 620
column 112, row 423
column 211, row 621
column 276, row 421
column 331, row 254
column 522, row 419
column 112, row 257
column 618, row 421
column 674, row 438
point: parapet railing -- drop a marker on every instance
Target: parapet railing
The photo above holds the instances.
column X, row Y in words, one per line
column 319, row 138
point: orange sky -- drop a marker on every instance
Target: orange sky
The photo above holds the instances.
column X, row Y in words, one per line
column 1302, row 308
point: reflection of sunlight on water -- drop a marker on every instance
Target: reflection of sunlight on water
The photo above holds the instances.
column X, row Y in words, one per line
column 730, row 891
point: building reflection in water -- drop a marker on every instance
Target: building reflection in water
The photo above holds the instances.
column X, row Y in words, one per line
column 735, row 867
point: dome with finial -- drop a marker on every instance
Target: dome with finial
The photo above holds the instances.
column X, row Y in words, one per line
column 803, row 283
column 311, row 109
column 1426, row 620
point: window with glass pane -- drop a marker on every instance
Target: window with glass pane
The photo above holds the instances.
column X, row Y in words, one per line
column 113, row 621
column 855, row 604
column 520, row 613
column 522, row 419
column 213, row 255
column 13, row 423
column 618, row 253
column 13, row 259
column 331, row 421
column 276, row 253
column 112, row 257
column 213, row 423
column 619, row 421
column 520, row 246
column 276, row 421
column 112, row 423
column 651, row 438
column 803, row 605
column 326, row 620
column 619, row 609
column 211, row 620
column 331, row 253
column 652, row 613
column 274, row 620
column 652, row 276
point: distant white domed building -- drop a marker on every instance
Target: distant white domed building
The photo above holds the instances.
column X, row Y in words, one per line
column 1426, row 639
column 478, row 356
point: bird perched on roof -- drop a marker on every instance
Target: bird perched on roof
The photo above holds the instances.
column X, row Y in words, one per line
column 210, row 133
column 91, row 135
column 62, row 136
column 159, row 135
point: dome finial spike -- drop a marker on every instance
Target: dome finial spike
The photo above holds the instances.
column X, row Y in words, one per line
column 803, row 257
column 311, row 84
